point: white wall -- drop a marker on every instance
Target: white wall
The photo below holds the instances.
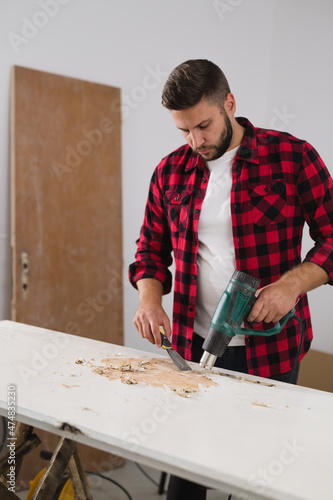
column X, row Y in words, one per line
column 277, row 55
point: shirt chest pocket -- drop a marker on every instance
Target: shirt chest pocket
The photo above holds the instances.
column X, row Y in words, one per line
column 177, row 206
column 268, row 202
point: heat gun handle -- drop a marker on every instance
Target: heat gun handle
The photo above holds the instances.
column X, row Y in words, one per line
column 272, row 331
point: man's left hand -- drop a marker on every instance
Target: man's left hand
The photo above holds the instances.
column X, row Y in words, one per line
column 273, row 302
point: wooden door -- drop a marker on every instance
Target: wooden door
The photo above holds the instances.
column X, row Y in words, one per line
column 66, row 207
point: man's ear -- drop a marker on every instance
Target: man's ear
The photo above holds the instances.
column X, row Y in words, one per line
column 230, row 104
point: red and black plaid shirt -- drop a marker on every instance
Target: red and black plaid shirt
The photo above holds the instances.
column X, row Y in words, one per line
column 278, row 183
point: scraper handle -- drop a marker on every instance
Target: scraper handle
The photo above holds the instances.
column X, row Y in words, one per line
column 166, row 344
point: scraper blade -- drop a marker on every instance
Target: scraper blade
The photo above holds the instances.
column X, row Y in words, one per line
column 176, row 358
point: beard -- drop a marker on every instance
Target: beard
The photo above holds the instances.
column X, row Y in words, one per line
column 218, row 150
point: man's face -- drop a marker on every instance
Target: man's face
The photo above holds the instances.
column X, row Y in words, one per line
column 206, row 128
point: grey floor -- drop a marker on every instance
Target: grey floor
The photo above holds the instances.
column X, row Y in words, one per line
column 134, row 481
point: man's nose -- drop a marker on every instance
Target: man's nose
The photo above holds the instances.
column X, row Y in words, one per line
column 197, row 139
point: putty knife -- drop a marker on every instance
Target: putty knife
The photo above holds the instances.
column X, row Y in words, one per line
column 176, row 358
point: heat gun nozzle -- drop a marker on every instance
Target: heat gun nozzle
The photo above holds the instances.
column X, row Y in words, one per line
column 207, row 360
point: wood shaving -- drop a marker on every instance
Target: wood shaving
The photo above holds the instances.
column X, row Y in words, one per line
column 129, row 380
column 258, row 403
column 185, row 391
column 80, row 361
column 125, row 367
column 145, row 364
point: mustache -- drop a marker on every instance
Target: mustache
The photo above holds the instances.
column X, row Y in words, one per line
column 203, row 148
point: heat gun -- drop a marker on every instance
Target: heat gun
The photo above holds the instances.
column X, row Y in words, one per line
column 233, row 307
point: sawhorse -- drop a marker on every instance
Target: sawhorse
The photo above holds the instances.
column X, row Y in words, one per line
column 65, row 456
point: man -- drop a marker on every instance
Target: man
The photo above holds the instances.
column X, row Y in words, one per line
column 234, row 197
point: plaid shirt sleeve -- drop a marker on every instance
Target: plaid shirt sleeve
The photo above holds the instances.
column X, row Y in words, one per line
column 315, row 188
column 153, row 256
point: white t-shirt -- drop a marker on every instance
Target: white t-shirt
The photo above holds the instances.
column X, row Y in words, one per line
column 216, row 253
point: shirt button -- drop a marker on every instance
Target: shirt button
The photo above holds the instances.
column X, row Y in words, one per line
column 190, row 309
column 188, row 341
column 193, row 276
column 266, row 189
column 196, row 211
column 204, row 180
column 194, row 243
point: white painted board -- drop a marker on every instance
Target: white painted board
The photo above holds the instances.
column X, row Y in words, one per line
column 217, row 437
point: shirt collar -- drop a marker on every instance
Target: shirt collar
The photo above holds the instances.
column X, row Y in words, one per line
column 247, row 152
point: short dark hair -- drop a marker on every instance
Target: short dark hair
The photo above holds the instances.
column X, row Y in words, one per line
column 192, row 81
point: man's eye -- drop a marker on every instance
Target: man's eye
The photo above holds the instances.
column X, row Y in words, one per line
column 203, row 126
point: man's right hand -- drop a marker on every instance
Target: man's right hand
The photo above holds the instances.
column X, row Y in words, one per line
column 150, row 314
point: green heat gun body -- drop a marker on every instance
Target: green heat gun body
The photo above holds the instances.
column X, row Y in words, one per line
column 233, row 307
